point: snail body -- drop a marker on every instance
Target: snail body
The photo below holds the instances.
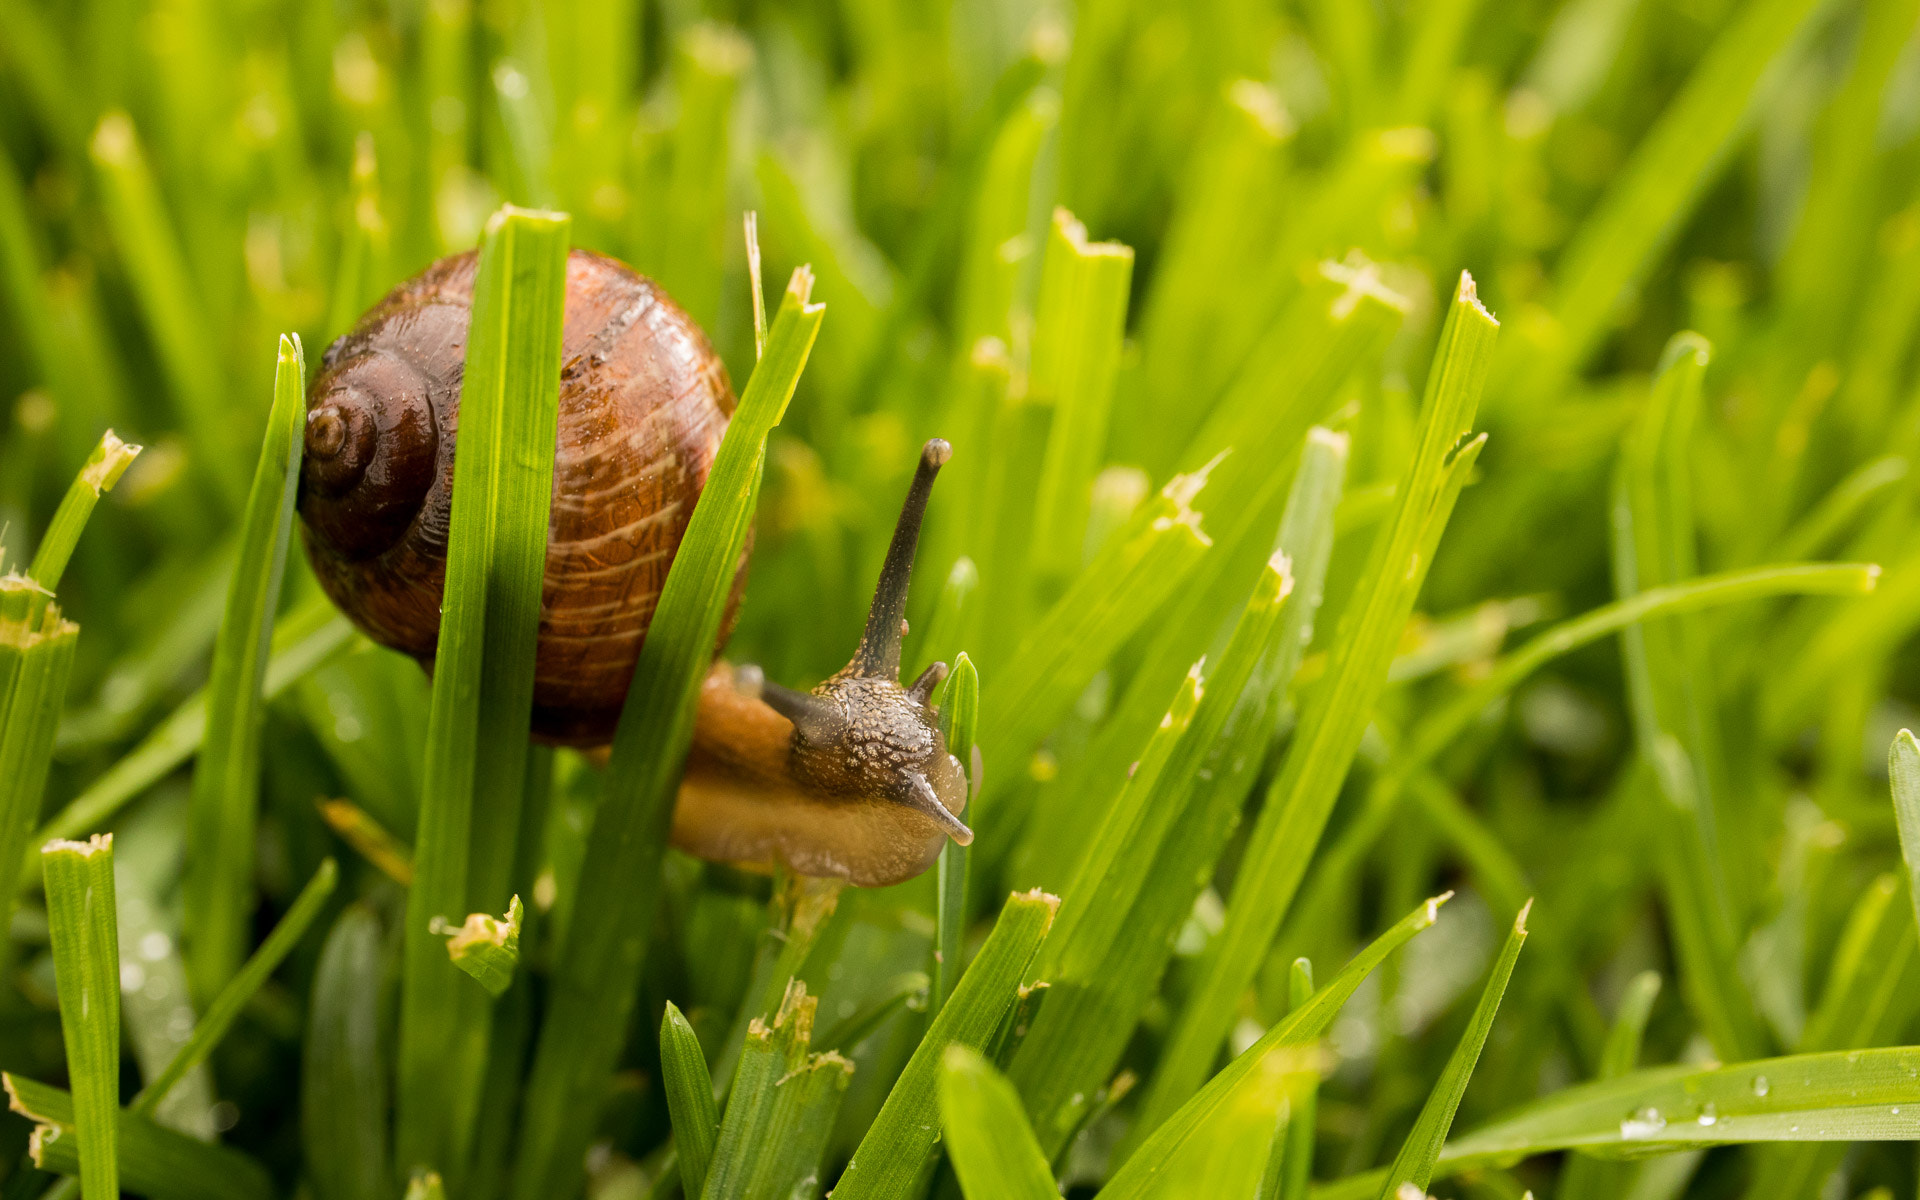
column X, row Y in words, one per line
column 852, row 780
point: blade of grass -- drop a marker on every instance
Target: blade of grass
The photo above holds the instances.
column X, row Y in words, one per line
column 154, row 1161
column 343, row 1077
column 103, row 469
column 890, row 1156
column 1845, row 1096
column 1149, row 1166
column 1301, row 798
column 1414, row 1163
column 960, row 713
column 597, row 967
column 689, row 1092
column 374, row 842
column 1140, row 878
column 86, row 963
column 170, row 304
column 1290, row 1160
column 1658, row 186
column 709, row 62
column 781, row 1110
column 218, row 888
column 363, row 269
column 1671, row 688
column 797, row 915
column 1078, row 323
column 1869, row 998
column 302, row 640
column 895, row 995
column 987, row 1135
column 483, row 672
column 1903, row 775
column 36, row 659
column 226, row 1007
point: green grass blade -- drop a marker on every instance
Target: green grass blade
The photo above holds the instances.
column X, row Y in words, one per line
column 483, row 672
column 781, row 1110
column 363, row 270
column 103, row 469
column 1290, row 1159
column 154, row 1161
column 796, row 918
column 302, row 640
column 987, row 1135
column 86, row 962
column 170, row 303
column 1078, row 322
column 1301, row 799
column 890, row 1156
column 1850, row 1096
column 1414, row 1163
column 598, row 965
column 1147, row 1169
column 1671, row 684
column 1139, row 880
column 1115, row 595
column 693, row 229
column 36, row 660
column 226, row 1007
column 218, row 889
column 1903, row 774
column 1662, row 181
column 959, row 716
column 426, row 1185
column 343, row 1078
column 689, row 1092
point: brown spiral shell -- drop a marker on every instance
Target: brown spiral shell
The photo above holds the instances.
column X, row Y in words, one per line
column 643, row 403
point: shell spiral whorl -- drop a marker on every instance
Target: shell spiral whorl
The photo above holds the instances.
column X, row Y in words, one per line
column 644, row 401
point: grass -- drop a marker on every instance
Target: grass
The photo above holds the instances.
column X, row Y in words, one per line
column 1283, row 586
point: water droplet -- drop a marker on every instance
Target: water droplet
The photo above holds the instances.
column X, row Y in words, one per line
column 1793, row 1129
column 1642, row 1124
column 1896, row 1110
column 1760, row 1085
column 1709, row 1116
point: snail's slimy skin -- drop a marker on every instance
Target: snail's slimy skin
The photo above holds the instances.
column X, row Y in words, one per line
column 643, row 403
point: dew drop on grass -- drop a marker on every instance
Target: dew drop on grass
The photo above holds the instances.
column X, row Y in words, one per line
column 1760, row 1085
column 1642, row 1124
column 1709, row 1116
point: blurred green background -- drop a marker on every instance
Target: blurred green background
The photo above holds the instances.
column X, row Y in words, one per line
column 184, row 180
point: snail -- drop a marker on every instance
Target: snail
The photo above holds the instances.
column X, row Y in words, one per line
column 852, row 780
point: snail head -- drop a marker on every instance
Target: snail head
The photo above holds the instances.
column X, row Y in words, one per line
column 861, row 733
column 371, row 455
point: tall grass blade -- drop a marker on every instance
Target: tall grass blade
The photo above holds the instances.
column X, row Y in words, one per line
column 1414, row 1163
column 689, row 1092
column 86, row 962
column 37, row 646
column 1849, row 1096
column 224, row 811
column 483, row 672
column 597, row 966
column 992, row 1146
column 170, row 302
column 959, row 716
column 1149, row 1166
column 781, row 1109
column 343, row 1080
column 1301, row 798
column 104, row 467
column 1903, row 774
column 1585, row 1178
column 1078, row 322
column 890, row 1156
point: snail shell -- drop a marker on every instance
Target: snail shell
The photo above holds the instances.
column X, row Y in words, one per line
column 644, row 401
